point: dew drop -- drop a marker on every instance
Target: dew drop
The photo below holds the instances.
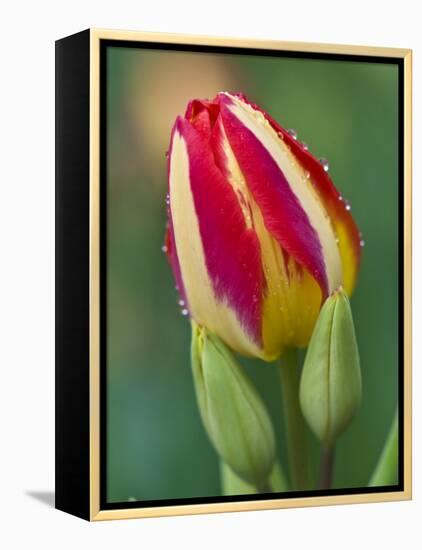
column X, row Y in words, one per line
column 184, row 312
column 324, row 163
column 181, row 303
column 168, row 199
column 347, row 205
column 164, row 248
column 307, row 175
column 362, row 243
column 305, row 146
column 340, row 198
column 293, row 133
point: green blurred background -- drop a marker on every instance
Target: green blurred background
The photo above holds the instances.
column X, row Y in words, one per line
column 346, row 112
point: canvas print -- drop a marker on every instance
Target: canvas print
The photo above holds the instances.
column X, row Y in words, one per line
column 252, row 275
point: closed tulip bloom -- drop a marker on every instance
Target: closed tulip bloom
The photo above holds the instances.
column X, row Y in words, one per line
column 258, row 235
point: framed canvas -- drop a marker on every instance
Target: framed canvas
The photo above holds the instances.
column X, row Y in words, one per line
column 233, row 310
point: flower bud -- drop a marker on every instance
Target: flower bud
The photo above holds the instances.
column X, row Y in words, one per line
column 330, row 387
column 234, row 485
column 258, row 235
column 232, row 412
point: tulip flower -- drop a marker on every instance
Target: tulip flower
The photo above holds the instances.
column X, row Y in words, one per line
column 258, row 235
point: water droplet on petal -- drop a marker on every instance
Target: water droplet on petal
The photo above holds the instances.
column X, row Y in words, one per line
column 340, row 198
column 347, row 205
column 184, row 312
column 307, row 175
column 362, row 243
column 337, row 240
column 292, row 132
column 324, row 163
column 181, row 303
column 164, row 248
column 168, row 199
column 305, row 146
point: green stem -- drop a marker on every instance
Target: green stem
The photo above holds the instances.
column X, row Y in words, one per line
column 385, row 472
column 327, row 467
column 294, row 422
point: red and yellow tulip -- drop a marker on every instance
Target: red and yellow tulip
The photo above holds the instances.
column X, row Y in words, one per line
column 258, row 235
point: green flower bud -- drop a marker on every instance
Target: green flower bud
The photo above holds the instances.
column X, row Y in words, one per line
column 234, row 485
column 232, row 412
column 330, row 387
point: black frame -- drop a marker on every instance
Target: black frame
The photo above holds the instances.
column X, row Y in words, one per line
column 72, row 275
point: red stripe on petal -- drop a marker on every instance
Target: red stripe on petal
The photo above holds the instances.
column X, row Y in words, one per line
column 283, row 214
column 232, row 251
column 329, row 195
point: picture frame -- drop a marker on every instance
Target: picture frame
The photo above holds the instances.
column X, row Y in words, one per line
column 82, row 291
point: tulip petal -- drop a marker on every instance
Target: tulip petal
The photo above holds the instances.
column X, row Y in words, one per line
column 219, row 255
column 349, row 237
column 291, row 208
column 292, row 297
column 202, row 114
column 347, row 232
